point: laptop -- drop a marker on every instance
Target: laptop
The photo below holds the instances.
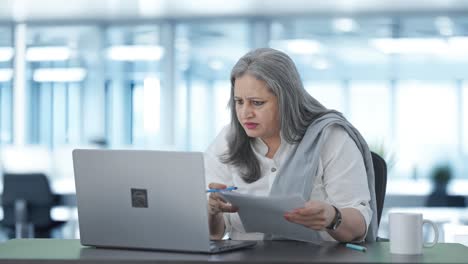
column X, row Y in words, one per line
column 140, row 199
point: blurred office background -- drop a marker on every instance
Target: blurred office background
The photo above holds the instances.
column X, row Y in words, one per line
column 154, row 74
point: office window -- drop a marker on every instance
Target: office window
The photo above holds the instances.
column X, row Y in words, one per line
column 348, row 63
column 133, row 74
column 166, row 85
column 426, row 125
column 330, row 94
column 370, row 111
column 146, row 118
column 55, row 112
column 61, row 68
column 222, row 93
column 6, row 98
column 465, row 119
column 205, row 54
column 6, row 85
column 201, row 114
column 330, row 53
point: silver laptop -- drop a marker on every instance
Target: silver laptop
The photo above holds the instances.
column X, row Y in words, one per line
column 144, row 200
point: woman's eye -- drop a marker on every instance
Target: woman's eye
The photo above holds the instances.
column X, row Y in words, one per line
column 258, row 103
column 239, row 102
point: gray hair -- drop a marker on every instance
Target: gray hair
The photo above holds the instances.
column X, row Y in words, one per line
column 297, row 108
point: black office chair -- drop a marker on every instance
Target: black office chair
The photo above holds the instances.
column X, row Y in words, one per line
column 27, row 198
column 380, row 171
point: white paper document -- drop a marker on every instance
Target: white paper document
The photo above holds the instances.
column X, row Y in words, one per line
column 266, row 215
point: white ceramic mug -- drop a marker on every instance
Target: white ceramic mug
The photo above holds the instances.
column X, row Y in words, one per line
column 406, row 233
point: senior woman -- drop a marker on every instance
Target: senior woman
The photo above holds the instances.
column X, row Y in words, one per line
column 282, row 141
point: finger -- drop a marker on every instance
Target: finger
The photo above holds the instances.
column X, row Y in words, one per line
column 213, row 206
column 213, row 209
column 309, row 219
column 313, row 207
column 313, row 224
column 305, row 211
column 217, row 201
column 228, row 208
column 217, row 197
column 221, row 206
column 306, row 217
column 215, row 185
column 309, row 211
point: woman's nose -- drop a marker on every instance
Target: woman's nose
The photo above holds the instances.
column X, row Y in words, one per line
column 246, row 111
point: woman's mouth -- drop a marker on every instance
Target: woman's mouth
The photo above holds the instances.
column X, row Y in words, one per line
column 250, row 125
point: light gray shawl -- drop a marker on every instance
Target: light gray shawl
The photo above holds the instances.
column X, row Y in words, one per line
column 298, row 172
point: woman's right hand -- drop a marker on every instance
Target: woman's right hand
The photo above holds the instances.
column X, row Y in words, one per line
column 216, row 203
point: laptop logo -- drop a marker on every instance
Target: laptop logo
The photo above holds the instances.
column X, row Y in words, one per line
column 139, row 198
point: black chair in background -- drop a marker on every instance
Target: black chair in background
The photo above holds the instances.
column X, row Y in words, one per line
column 27, row 199
column 380, row 171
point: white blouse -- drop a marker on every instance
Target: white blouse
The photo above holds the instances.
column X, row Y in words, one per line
column 341, row 179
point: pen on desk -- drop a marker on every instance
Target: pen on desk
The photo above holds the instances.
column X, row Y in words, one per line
column 228, row 189
column 356, row 247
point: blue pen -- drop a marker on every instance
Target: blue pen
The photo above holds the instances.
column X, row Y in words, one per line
column 356, row 247
column 228, row 189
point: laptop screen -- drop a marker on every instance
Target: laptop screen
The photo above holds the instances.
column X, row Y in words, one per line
column 141, row 199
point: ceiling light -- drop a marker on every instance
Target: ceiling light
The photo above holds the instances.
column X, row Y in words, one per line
column 344, row 25
column 48, row 53
column 410, row 45
column 6, row 75
column 59, row 75
column 135, row 53
column 6, row 53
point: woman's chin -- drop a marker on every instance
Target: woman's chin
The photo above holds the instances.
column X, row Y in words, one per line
column 251, row 133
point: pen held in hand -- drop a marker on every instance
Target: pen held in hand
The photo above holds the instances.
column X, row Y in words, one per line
column 228, row 189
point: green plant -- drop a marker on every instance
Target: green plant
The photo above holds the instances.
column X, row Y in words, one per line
column 441, row 174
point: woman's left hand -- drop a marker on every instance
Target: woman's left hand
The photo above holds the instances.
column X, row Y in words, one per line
column 316, row 215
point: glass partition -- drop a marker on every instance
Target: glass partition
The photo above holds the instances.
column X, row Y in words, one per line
column 395, row 78
column 165, row 84
column 205, row 54
column 464, row 119
column 370, row 112
column 6, row 84
column 60, row 74
column 135, row 87
column 426, row 127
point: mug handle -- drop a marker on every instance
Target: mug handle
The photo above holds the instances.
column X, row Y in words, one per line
column 436, row 233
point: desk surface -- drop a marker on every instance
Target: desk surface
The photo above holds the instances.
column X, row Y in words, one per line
column 70, row 251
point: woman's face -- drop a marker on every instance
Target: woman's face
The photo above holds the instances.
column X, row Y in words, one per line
column 256, row 107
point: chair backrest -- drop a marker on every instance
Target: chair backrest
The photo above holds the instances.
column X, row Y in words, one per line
column 34, row 189
column 380, row 171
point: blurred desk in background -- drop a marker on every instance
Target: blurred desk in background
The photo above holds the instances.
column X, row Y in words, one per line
column 454, row 215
